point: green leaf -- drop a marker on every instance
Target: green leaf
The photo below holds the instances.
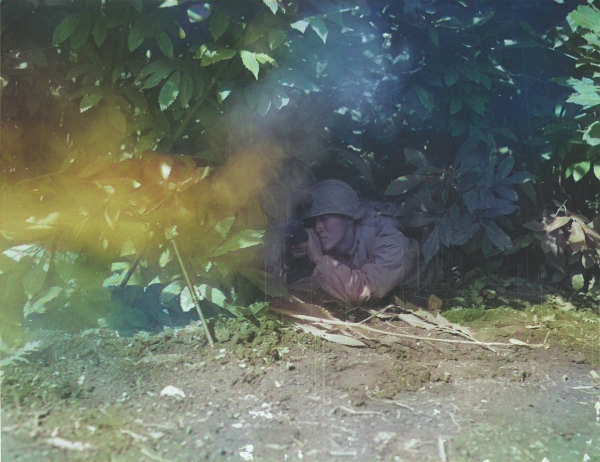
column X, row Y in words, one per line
column 79, row 70
column 153, row 67
column 535, row 226
column 576, row 237
column 250, row 62
column 198, row 85
column 597, row 170
column 137, row 34
column 186, row 89
column 591, row 135
column 136, row 97
column 82, row 32
column 403, row 184
column 86, row 90
column 224, row 226
column 65, row 29
column 224, row 89
column 254, row 31
column 212, row 294
column 34, row 280
column 186, row 301
column 37, row 57
column 506, row 133
column 264, row 58
column 476, row 103
column 505, row 167
column 425, row 97
column 450, row 77
column 99, row 30
column 242, row 240
column 577, row 281
column 431, row 246
column 246, row 312
column 578, row 170
column 219, row 23
column 319, row 27
column 272, row 5
column 214, row 56
column 433, row 36
column 280, row 98
column 165, row 45
column 117, row 118
column 300, row 25
column 89, row 101
column 276, row 39
column 169, row 91
column 137, row 4
column 39, row 306
column 586, row 17
column 496, row 235
column 154, row 79
column 455, row 105
column 587, row 94
column 416, row 158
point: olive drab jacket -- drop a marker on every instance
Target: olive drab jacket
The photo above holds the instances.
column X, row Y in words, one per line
column 381, row 258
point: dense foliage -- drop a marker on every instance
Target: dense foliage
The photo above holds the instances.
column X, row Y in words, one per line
column 131, row 128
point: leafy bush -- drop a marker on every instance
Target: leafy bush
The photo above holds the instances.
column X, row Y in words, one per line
column 584, row 45
column 125, row 216
column 461, row 202
column 92, row 91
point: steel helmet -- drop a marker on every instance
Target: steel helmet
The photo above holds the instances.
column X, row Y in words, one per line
column 333, row 196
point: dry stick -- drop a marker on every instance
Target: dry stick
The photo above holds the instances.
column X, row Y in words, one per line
column 442, row 450
column 192, row 292
column 377, row 313
column 449, row 330
column 133, row 267
column 379, row 331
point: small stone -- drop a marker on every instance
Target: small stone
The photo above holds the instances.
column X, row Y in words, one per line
column 170, row 390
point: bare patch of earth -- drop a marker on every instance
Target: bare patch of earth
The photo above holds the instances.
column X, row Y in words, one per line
column 267, row 392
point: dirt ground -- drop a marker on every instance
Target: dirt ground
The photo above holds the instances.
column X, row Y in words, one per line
column 269, row 392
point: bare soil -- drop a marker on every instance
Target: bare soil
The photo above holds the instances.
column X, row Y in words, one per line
column 270, row 393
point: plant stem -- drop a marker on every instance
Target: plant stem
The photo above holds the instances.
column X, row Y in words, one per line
column 188, row 281
column 133, row 267
column 192, row 112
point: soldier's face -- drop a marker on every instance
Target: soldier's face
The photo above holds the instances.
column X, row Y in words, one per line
column 333, row 231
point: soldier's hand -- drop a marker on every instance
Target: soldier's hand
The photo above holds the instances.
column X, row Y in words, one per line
column 314, row 250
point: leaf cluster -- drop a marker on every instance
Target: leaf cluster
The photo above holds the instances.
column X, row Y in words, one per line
column 571, row 246
column 583, row 44
column 461, row 202
column 109, row 224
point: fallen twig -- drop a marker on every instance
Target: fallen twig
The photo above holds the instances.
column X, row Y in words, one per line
column 396, row 403
column 153, row 455
column 343, row 453
column 356, row 325
column 354, row 412
column 377, row 313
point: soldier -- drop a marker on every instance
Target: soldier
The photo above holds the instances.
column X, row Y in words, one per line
column 358, row 254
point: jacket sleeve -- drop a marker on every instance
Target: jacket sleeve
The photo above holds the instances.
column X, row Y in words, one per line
column 392, row 257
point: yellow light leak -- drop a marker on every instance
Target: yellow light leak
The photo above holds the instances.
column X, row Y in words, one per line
column 65, row 186
column 100, row 204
